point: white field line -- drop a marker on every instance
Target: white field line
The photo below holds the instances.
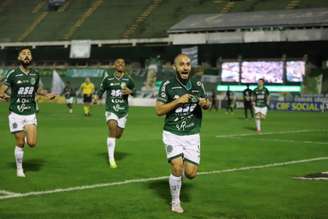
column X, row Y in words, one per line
column 142, row 180
column 313, row 179
column 271, row 133
column 289, row 141
column 5, row 192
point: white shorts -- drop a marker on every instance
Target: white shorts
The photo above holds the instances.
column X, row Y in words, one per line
column 262, row 110
column 69, row 100
column 187, row 146
column 120, row 121
column 17, row 122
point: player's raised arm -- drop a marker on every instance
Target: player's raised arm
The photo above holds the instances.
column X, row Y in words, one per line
column 3, row 89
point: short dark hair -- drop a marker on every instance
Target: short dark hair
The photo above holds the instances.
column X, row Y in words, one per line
column 262, row 79
column 22, row 48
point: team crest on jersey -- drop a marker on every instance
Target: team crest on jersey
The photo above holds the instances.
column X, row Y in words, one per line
column 169, row 148
column 199, row 83
column 32, row 81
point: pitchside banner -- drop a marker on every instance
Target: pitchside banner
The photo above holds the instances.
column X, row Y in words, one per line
column 299, row 106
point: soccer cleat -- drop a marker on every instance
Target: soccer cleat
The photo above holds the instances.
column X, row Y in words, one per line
column 176, row 207
column 112, row 164
column 20, row 173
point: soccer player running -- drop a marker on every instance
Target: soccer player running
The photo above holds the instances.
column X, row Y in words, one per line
column 247, row 96
column 181, row 99
column 69, row 94
column 87, row 88
column 230, row 101
column 214, row 104
column 118, row 86
column 24, row 84
column 261, row 101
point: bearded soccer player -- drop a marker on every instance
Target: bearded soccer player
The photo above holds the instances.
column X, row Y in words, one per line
column 261, row 101
column 118, row 86
column 181, row 99
column 24, row 84
column 87, row 88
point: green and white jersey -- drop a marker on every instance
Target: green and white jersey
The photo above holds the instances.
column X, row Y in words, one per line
column 23, row 90
column 261, row 96
column 185, row 119
column 115, row 101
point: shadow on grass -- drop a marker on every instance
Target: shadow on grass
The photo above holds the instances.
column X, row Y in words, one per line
column 118, row 155
column 251, row 128
column 162, row 189
column 30, row 165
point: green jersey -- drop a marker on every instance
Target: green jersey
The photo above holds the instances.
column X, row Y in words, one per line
column 185, row 119
column 261, row 96
column 23, row 90
column 115, row 101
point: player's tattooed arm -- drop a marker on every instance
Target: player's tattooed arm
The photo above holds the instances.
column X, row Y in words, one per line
column 163, row 108
column 43, row 92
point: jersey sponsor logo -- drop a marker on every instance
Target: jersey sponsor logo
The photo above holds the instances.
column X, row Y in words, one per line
column 164, row 86
column 117, row 107
column 260, row 96
column 183, row 125
column 23, row 107
column 116, row 93
column 117, row 101
column 25, row 91
column 115, row 84
column 22, row 100
column 186, row 109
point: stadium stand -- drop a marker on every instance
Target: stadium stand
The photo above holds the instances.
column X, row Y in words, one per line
column 93, row 19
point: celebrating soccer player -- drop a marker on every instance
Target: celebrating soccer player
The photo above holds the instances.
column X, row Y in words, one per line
column 87, row 88
column 24, row 84
column 261, row 101
column 181, row 99
column 118, row 86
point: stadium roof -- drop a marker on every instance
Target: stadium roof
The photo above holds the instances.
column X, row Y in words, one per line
column 259, row 19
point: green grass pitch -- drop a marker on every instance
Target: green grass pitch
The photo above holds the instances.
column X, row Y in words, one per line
column 72, row 152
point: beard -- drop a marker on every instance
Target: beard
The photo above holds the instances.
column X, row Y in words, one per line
column 25, row 63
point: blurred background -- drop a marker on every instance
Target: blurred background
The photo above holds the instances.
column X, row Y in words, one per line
column 231, row 43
